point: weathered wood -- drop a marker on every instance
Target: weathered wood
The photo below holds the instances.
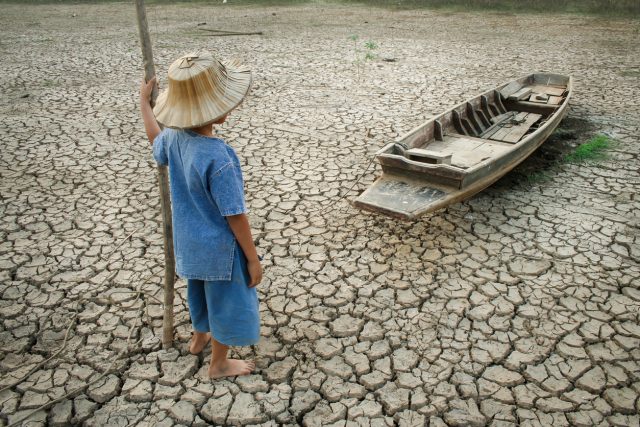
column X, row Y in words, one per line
column 510, row 89
column 437, row 130
column 211, row 30
column 473, row 119
column 541, row 98
column 554, row 100
column 257, row 33
column 531, row 107
column 549, row 90
column 521, row 94
column 163, row 183
column 519, row 130
column 429, row 156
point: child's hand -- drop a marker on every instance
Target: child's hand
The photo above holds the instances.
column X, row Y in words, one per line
column 255, row 273
column 146, row 88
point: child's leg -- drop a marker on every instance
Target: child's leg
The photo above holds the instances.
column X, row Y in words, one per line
column 234, row 319
column 220, row 366
column 197, row 302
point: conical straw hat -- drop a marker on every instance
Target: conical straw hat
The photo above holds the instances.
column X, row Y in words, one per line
column 201, row 90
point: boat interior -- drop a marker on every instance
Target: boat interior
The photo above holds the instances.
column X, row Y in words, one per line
column 485, row 126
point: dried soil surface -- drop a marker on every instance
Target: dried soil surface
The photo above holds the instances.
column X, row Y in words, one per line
column 519, row 306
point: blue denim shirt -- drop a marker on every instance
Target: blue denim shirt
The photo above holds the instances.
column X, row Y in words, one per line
column 206, row 185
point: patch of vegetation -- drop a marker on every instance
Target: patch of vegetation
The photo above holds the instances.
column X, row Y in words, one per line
column 622, row 8
column 630, row 73
column 593, row 150
column 538, row 177
column 614, row 8
column 51, row 83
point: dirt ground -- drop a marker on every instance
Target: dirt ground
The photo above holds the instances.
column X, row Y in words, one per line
column 520, row 306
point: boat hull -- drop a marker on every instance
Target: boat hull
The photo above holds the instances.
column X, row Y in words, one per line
column 408, row 189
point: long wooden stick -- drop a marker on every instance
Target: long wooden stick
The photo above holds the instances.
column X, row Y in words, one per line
column 231, row 34
column 163, row 182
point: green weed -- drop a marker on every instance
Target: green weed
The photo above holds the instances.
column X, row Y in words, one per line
column 538, row 177
column 630, row 73
column 51, row 83
column 590, row 151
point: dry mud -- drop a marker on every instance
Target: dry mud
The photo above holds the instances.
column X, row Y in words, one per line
column 517, row 307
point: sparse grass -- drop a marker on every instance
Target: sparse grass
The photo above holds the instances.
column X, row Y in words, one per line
column 630, row 73
column 622, row 8
column 613, row 8
column 538, row 177
column 590, row 151
column 51, row 83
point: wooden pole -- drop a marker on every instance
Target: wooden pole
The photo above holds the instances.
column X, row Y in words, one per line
column 163, row 182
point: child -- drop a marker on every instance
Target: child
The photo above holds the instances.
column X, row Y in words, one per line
column 212, row 238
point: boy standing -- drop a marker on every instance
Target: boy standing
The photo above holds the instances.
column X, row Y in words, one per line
column 212, row 238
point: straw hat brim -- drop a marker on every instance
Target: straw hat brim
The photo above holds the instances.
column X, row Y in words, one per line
column 207, row 105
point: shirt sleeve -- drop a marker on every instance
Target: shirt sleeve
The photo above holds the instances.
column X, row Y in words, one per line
column 226, row 186
column 159, row 149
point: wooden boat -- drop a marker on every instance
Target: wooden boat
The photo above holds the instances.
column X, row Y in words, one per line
column 455, row 155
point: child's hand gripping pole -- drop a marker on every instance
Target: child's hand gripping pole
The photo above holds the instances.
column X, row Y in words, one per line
column 151, row 126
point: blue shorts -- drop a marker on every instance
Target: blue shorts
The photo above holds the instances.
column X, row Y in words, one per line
column 227, row 309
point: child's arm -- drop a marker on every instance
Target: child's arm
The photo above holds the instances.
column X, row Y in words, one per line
column 240, row 226
column 150, row 124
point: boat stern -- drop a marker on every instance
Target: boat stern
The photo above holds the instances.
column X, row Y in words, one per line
column 401, row 197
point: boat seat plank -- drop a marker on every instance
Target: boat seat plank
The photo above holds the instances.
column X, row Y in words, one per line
column 521, row 94
column 510, row 89
column 500, row 133
column 555, row 100
column 503, row 128
column 502, row 117
column 429, row 156
column 542, row 98
column 481, row 140
column 549, row 90
column 467, row 151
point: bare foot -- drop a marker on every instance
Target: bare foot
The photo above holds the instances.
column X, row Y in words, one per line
column 231, row 368
column 199, row 341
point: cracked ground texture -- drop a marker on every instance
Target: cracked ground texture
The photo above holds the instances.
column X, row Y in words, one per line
column 518, row 307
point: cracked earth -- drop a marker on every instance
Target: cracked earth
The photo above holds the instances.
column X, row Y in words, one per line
column 520, row 306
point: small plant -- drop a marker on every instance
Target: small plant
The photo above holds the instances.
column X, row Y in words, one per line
column 363, row 53
column 537, row 177
column 370, row 54
column 592, row 150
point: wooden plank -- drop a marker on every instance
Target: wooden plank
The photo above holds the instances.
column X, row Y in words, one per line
column 400, row 196
column 521, row 94
column 502, row 117
column 531, row 107
column 431, row 156
column 554, row 100
column 510, row 89
column 469, row 151
column 549, row 90
column 501, row 133
column 518, row 131
column 542, row 98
